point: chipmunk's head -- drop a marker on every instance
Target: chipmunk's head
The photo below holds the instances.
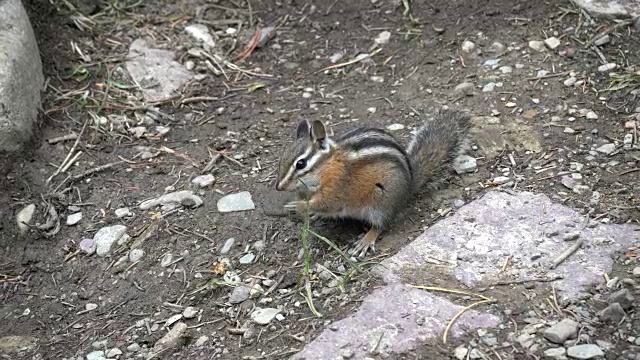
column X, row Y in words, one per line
column 299, row 162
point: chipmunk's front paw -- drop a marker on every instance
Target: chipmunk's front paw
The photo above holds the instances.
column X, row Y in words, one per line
column 297, row 206
column 362, row 247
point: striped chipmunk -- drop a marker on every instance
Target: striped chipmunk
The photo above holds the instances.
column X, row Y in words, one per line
column 366, row 174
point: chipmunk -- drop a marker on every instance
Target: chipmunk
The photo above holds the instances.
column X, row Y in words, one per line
column 366, row 174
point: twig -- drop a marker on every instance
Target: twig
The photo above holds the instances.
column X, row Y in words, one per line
column 73, row 149
column 450, row 324
column 198, row 99
column 350, row 62
column 548, row 76
column 522, row 281
column 70, row 162
column 565, row 254
column 629, row 171
column 58, row 139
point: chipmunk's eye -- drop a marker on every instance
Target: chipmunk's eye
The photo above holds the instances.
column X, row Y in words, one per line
column 301, row 164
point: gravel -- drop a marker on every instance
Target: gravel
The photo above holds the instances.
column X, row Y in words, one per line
column 562, row 331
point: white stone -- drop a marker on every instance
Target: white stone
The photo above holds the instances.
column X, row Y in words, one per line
column 24, row 216
column 264, row 316
column 383, row 38
column 468, row 46
column 136, row 255
column 73, row 219
column 606, row 148
column 106, row 237
column 122, row 212
column 201, row 33
column 203, row 180
column 236, row 202
column 537, row 45
column 395, row 127
column 552, row 42
column 607, row 67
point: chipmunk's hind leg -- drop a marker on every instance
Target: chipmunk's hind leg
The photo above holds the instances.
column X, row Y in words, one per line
column 368, row 241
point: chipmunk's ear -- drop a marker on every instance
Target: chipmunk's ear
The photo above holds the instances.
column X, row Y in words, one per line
column 303, row 129
column 318, row 131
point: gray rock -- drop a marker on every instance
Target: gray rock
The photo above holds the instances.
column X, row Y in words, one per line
column 11, row 344
column 525, row 340
column 227, row 246
column 468, row 46
column 386, row 308
column 96, row 355
column 113, row 353
column 465, row 164
column 122, row 212
column 73, row 219
column 607, row 67
column 506, row 69
column 264, row 316
column 166, row 260
column 584, row 351
column 570, row 81
column 24, row 216
column 190, row 312
column 172, row 338
column 106, row 237
column 610, row 9
column 247, row 259
column 496, row 47
column 461, row 353
column 202, row 340
column 382, row 38
column 492, row 63
column 537, row 45
column 465, row 88
column 498, row 234
column 183, row 197
column 552, row 42
column 135, row 347
column 158, row 74
column 236, row 202
column 602, row 40
column 88, row 246
column 239, row 294
column 636, row 271
column 613, row 313
column 562, row 331
column 622, row 297
column 203, row 180
column 489, row 87
column 21, row 76
column 136, row 255
column 606, row 148
column 555, row 353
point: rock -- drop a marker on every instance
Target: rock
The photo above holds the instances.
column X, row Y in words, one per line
column 510, row 104
column 610, row 9
column 183, row 197
column 202, row 340
column 465, row 88
column 90, row 306
column 606, row 148
column 122, row 212
column 172, row 338
column 88, row 246
column 628, row 142
column 106, row 237
column 382, row 38
column 555, row 353
column 96, row 355
column 525, row 340
column 167, row 259
column 395, row 127
column 636, row 272
column 468, row 46
column 172, row 320
column 602, row 40
column 135, row 347
column 21, row 77
column 239, row 294
column 113, row 353
column 201, row 33
column 336, row 57
column 607, row 67
column 24, row 216
column 155, row 70
column 136, row 255
column 562, row 331
column 570, row 236
column 570, row 81
column 227, row 246
column 622, row 297
column 465, row 164
column 236, row 202
column 501, row 180
column 496, row 47
column 492, row 63
column 506, row 69
column 264, row 316
column 613, row 313
column 584, row 351
column 552, row 42
column 377, row 79
column 461, row 353
column 190, row 312
column 73, row 219
column 10, row 344
column 247, row 259
column 203, row 180
column 568, row 182
column 537, row 45
column 591, row 115
column 489, row 87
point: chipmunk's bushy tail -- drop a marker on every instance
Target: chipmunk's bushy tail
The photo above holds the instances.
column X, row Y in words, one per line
column 436, row 144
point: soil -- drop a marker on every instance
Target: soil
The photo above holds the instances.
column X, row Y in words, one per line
column 420, row 67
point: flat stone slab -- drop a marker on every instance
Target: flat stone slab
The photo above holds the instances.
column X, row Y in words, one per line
column 393, row 319
column 21, row 76
column 610, row 9
column 155, row 70
column 528, row 229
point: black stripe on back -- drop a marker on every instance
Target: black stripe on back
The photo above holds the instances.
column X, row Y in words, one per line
column 361, row 131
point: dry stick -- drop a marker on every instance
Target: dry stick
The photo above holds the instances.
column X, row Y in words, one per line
column 58, row 139
column 70, row 162
column 336, row 66
column 629, row 171
column 73, row 149
column 90, row 172
column 570, row 250
column 446, row 330
column 548, row 76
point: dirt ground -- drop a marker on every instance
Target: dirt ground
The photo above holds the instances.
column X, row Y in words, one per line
column 47, row 282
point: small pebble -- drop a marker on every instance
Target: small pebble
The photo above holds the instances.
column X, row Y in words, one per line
column 606, row 148
column 468, row 46
column 167, row 259
column 264, row 316
column 607, row 67
column 236, row 202
column 136, row 255
column 552, row 42
column 74, row 218
column 227, row 246
column 537, row 45
column 122, row 212
column 203, row 180
column 190, row 312
column 395, row 127
column 247, row 259
column 489, row 87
